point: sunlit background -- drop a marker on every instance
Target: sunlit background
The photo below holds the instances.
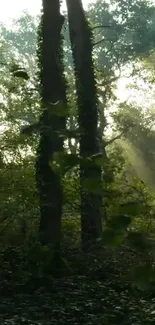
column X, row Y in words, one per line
column 12, row 9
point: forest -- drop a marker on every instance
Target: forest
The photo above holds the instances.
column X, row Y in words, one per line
column 77, row 165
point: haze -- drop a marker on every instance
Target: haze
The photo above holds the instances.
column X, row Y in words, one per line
column 13, row 9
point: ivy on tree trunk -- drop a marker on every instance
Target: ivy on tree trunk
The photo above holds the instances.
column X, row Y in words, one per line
column 81, row 42
column 52, row 123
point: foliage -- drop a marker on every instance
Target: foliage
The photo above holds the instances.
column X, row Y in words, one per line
column 100, row 295
column 86, row 302
column 116, row 284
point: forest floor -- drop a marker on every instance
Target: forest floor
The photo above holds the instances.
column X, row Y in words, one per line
column 78, row 300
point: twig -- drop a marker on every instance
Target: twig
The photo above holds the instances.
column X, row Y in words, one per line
column 113, row 139
column 98, row 42
column 101, row 26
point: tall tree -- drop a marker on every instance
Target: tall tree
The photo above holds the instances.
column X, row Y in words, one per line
column 52, row 123
column 81, row 42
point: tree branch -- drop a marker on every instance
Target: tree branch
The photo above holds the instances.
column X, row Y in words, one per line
column 101, row 26
column 113, row 139
column 98, row 42
column 3, row 218
column 108, row 82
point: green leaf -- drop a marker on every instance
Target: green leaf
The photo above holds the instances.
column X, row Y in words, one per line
column 92, row 185
column 30, row 129
column 119, row 222
column 99, row 160
column 59, row 109
column 113, row 238
column 131, row 208
column 21, row 74
column 70, row 161
column 143, row 276
column 139, row 241
column 56, row 167
column 63, row 162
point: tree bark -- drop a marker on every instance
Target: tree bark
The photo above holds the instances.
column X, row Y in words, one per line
column 81, row 42
column 53, row 94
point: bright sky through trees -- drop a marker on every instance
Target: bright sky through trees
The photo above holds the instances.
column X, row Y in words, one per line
column 14, row 8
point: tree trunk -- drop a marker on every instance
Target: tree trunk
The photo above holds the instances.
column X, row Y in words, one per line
column 81, row 42
column 53, row 96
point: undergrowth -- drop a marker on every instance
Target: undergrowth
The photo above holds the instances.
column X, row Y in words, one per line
column 93, row 289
